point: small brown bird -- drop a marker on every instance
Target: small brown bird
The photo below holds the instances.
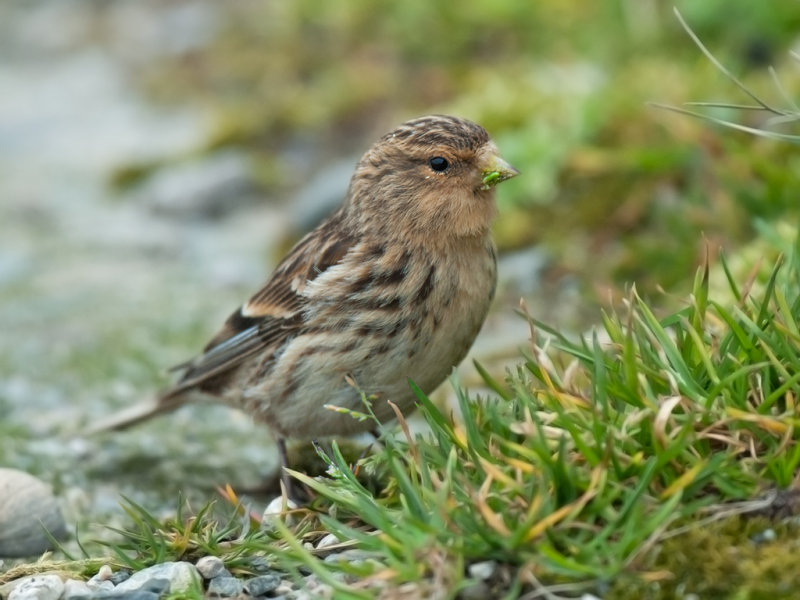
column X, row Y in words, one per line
column 393, row 286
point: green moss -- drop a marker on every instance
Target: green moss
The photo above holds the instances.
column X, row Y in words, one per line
column 729, row 560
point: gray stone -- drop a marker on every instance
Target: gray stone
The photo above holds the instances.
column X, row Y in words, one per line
column 38, row 587
column 225, row 587
column 180, row 577
column 258, row 586
column 28, row 512
column 118, row 577
column 211, row 566
column 477, row 590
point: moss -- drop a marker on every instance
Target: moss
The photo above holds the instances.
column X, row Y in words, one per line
column 726, row 560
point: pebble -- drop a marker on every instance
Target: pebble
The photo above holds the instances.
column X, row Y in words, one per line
column 104, row 573
column 118, row 577
column 258, row 586
column 38, row 587
column 180, row 577
column 328, row 540
column 285, row 587
column 28, row 510
column 477, row 590
column 482, row 570
column 762, row 537
column 225, row 587
column 354, row 556
column 211, row 567
column 275, row 510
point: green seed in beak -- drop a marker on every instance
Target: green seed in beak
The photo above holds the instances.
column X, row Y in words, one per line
column 498, row 171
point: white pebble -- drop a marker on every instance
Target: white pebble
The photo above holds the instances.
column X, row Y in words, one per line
column 38, row 587
column 277, row 509
column 328, row 540
column 482, row 570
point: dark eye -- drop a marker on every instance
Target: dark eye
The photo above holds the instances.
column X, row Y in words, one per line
column 438, row 164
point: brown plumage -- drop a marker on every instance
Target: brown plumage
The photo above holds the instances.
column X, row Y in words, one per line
column 393, row 286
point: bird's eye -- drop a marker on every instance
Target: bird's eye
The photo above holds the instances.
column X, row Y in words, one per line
column 438, row 164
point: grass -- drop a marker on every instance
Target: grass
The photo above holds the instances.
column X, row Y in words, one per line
column 779, row 116
column 599, row 464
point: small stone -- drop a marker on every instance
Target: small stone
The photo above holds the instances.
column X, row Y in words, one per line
column 211, row 567
column 180, row 577
column 285, row 587
column 119, row 576
column 322, row 591
column 328, row 540
column 762, row 537
column 476, row 590
column 277, row 509
column 29, row 515
column 224, row 587
column 593, row 597
column 353, row 555
column 104, row 573
column 259, row 564
column 38, row 587
column 258, row 586
column 482, row 570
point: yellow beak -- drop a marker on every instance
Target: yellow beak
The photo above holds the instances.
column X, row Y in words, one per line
column 497, row 171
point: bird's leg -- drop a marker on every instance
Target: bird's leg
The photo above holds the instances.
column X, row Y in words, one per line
column 288, row 483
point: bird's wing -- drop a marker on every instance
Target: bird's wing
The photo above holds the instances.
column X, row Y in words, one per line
column 273, row 315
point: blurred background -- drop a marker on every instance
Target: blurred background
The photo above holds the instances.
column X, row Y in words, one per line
column 157, row 157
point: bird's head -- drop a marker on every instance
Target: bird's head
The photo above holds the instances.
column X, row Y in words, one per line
column 431, row 176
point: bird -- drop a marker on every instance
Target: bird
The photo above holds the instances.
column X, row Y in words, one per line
column 392, row 287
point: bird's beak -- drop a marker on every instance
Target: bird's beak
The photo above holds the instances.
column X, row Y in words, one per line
column 496, row 171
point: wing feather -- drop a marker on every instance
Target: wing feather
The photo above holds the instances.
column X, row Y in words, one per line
column 272, row 315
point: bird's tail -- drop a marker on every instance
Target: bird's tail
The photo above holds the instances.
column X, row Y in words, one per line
column 137, row 413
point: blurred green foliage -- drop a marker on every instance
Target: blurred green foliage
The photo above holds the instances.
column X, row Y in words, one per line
column 617, row 190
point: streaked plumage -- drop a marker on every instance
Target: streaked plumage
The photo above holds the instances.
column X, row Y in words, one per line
column 394, row 285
